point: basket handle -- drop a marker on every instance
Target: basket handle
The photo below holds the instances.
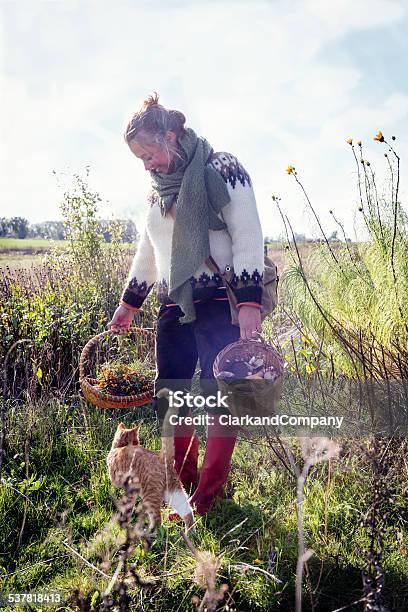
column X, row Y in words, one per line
column 89, row 345
column 259, row 339
column 87, row 349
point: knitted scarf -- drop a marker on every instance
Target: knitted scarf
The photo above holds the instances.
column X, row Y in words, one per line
column 198, row 192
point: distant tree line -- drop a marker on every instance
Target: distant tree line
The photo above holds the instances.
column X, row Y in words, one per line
column 301, row 238
column 19, row 227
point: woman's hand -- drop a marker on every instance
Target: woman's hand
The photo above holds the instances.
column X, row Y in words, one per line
column 121, row 320
column 249, row 318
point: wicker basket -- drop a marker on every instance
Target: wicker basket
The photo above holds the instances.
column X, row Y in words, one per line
column 107, row 400
column 246, row 396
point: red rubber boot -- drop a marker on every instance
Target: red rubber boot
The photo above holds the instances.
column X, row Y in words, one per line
column 216, row 466
column 186, row 455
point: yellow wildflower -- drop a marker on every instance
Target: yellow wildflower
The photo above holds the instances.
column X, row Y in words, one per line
column 349, row 141
column 290, row 169
column 258, row 561
column 379, row 137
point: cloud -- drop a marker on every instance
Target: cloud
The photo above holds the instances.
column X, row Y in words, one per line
column 256, row 78
column 343, row 15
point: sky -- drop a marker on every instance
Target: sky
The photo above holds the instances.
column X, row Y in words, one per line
column 272, row 82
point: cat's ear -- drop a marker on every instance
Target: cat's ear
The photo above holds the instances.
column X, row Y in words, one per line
column 121, row 426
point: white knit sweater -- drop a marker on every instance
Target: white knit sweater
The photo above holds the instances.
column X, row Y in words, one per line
column 240, row 246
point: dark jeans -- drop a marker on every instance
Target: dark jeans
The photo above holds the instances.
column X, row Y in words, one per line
column 179, row 348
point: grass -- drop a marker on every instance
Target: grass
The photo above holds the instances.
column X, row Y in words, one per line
column 353, row 298
column 17, row 260
column 55, row 476
column 22, row 254
column 29, row 243
column 36, row 243
column 56, row 503
column 18, row 253
column 66, row 492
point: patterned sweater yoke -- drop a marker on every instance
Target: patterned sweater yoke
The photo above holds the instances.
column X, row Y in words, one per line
column 239, row 246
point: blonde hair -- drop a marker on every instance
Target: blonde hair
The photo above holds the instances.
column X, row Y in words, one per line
column 154, row 120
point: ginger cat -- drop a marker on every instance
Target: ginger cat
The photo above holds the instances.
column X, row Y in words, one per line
column 152, row 474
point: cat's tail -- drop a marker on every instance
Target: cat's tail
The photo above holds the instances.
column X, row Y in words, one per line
column 167, row 431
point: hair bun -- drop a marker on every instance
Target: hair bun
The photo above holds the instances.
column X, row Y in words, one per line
column 152, row 100
column 176, row 121
column 155, row 120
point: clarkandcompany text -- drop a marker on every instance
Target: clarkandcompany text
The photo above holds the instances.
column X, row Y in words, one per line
column 177, row 399
column 247, row 420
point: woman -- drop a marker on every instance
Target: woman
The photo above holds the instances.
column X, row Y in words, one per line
column 202, row 203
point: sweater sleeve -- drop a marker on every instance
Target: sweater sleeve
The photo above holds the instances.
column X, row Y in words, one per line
column 142, row 275
column 243, row 225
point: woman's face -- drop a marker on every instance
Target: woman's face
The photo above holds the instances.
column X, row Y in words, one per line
column 153, row 156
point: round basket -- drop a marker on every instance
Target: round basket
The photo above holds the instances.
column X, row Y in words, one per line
column 107, row 400
column 250, row 397
column 245, row 349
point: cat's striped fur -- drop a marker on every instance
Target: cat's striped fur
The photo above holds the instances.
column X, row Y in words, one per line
column 151, row 474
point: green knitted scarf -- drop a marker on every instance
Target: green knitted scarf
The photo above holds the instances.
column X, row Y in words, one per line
column 198, row 192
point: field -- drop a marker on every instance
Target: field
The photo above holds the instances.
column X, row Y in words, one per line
column 311, row 520
column 68, row 505
column 22, row 254
column 25, row 244
column 56, row 505
column 16, row 253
